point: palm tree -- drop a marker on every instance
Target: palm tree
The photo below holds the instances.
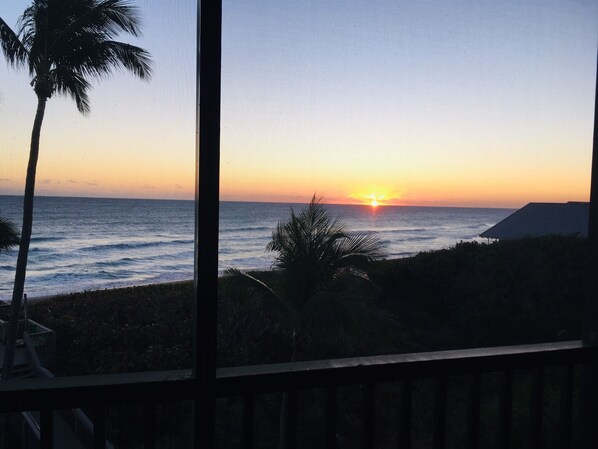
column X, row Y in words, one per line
column 322, row 276
column 64, row 44
column 322, row 281
column 8, row 235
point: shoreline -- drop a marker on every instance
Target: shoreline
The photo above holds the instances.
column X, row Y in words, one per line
column 42, row 298
column 38, row 299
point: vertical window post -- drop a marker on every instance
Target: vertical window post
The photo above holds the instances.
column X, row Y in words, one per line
column 209, row 27
column 588, row 432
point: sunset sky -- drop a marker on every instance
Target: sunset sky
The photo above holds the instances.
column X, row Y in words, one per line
column 464, row 103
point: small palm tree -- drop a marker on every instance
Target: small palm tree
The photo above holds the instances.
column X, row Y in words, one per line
column 64, row 44
column 8, row 235
column 322, row 278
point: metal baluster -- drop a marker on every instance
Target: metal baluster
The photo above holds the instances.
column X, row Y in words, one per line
column 506, row 411
column 439, row 441
column 537, row 407
column 566, row 407
column 46, row 428
column 292, row 420
column 369, row 397
column 248, row 420
column 405, row 416
column 331, row 417
column 149, row 434
column 473, row 412
column 99, row 428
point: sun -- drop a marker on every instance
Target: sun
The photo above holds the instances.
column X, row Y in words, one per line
column 373, row 198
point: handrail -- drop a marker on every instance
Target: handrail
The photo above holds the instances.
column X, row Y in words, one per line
column 320, row 373
column 42, row 329
column 127, row 388
column 94, row 390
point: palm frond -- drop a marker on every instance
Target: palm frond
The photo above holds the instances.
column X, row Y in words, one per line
column 251, row 287
column 8, row 235
column 112, row 16
column 75, row 85
column 32, row 21
column 121, row 55
column 12, row 47
column 357, row 250
column 33, row 29
column 93, row 57
column 106, row 18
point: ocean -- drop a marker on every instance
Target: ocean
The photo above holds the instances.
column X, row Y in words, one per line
column 95, row 243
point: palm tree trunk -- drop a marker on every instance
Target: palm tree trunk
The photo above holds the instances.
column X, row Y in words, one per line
column 19, row 285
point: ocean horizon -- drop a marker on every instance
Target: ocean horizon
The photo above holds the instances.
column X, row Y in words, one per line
column 82, row 243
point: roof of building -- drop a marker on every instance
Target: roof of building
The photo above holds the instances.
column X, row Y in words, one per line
column 538, row 219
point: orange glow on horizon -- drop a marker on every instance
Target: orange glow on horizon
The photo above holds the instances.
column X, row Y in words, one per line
column 375, row 196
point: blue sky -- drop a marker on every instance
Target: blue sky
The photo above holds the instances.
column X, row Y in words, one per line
column 413, row 102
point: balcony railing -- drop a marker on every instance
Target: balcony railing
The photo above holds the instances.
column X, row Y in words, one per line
column 40, row 339
column 247, row 382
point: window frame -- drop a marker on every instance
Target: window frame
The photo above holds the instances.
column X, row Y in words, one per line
column 207, row 197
